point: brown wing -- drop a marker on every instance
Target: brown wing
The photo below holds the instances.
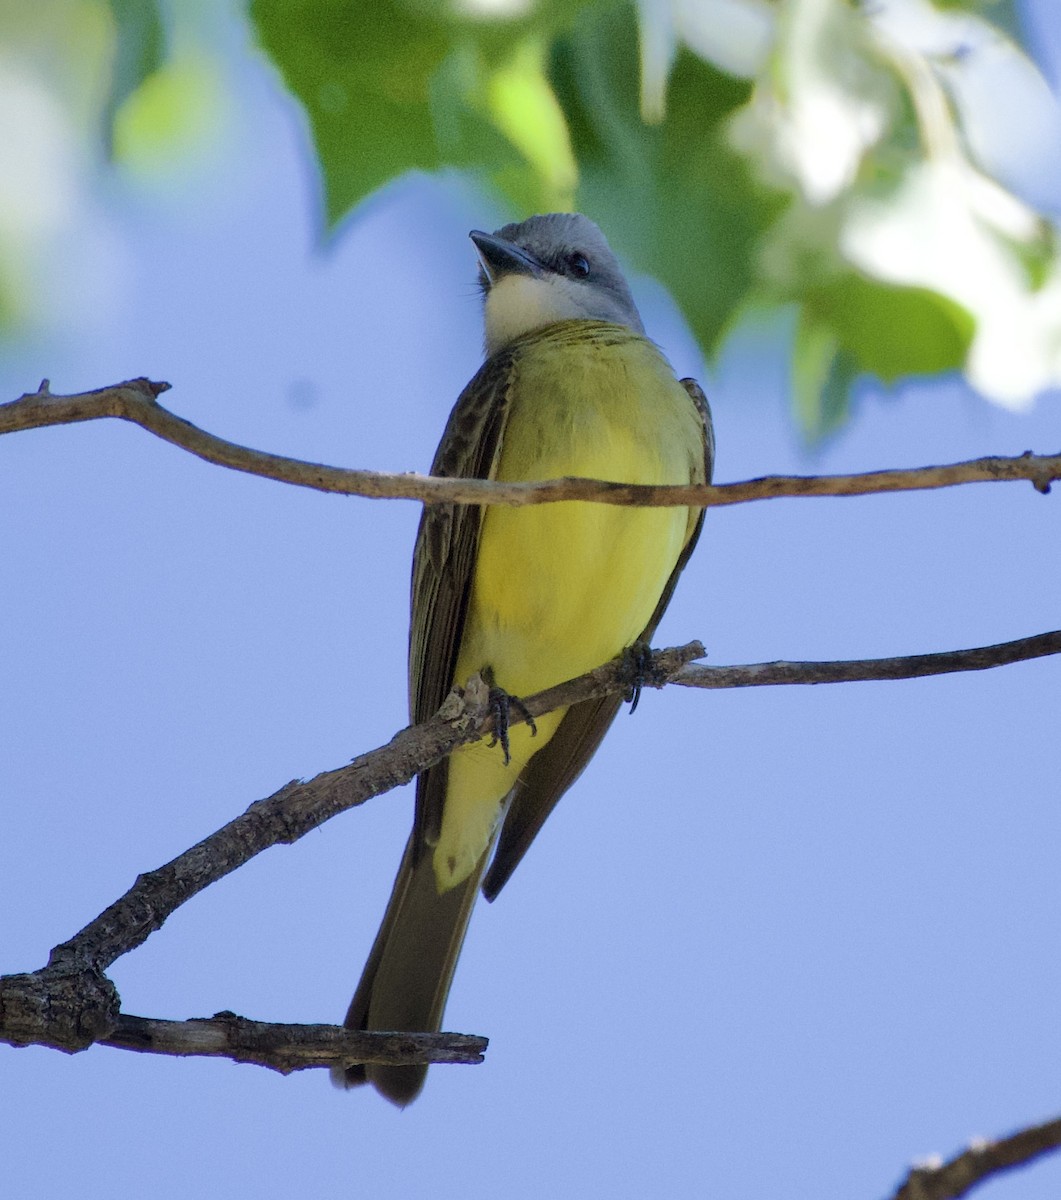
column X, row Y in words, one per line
column 560, row 762
column 443, row 561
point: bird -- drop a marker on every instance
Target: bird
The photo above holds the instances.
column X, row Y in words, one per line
column 530, row 596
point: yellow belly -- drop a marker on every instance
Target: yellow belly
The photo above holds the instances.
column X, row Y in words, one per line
column 560, row 588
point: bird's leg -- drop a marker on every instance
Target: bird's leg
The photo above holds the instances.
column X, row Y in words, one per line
column 638, row 660
column 503, row 705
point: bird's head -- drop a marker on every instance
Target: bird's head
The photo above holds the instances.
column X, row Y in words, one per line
column 546, row 269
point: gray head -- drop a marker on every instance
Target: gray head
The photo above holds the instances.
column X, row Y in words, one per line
column 547, row 269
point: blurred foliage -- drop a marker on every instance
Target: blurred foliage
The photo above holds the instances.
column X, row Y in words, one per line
column 138, row 46
column 37, row 124
column 651, row 185
column 864, row 171
column 807, row 154
column 167, row 99
column 136, row 83
column 397, row 85
column 168, row 116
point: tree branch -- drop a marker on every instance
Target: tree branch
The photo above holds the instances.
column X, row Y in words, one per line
column 72, row 1011
column 137, row 401
column 286, row 1048
column 299, row 807
column 956, row 1178
column 911, row 666
column 70, row 1003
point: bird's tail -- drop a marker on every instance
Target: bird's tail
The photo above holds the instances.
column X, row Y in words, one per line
column 407, row 977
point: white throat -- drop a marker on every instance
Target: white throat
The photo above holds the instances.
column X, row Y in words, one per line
column 517, row 304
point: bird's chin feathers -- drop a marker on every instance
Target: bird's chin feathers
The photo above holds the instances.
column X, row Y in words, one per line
column 518, row 304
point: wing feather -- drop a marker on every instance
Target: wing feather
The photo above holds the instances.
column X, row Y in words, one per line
column 443, row 562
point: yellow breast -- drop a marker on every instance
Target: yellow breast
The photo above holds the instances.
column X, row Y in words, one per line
column 560, row 588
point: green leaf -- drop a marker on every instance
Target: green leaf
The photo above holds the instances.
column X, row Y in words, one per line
column 363, row 74
column 822, row 375
column 893, row 332
column 859, row 327
column 139, row 39
column 392, row 87
column 673, row 197
column 172, row 117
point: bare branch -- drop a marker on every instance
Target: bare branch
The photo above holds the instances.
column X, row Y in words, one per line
column 909, row 667
column 67, row 1010
column 301, row 806
column 70, row 1003
column 71, row 1011
column 286, row 1048
column 982, row 1161
column 136, row 401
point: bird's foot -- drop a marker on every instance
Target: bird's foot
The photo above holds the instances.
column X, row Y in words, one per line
column 638, row 659
column 504, row 706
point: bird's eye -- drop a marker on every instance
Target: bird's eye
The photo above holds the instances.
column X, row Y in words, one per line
column 578, row 265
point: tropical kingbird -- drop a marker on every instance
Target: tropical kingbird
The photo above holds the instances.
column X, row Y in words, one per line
column 528, row 597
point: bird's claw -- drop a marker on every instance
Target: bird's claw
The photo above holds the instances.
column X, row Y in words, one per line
column 502, row 705
column 639, row 659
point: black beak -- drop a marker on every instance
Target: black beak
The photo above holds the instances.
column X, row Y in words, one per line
column 499, row 257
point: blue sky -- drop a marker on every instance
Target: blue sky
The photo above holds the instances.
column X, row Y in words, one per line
column 775, row 942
